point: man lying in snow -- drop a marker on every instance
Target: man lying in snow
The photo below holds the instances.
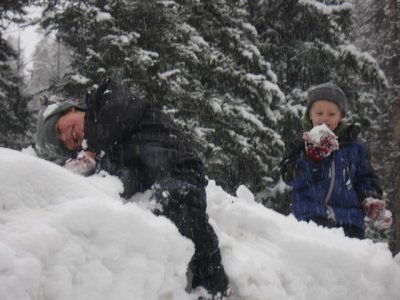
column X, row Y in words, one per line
column 131, row 139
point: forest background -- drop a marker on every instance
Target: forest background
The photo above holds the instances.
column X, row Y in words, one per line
column 232, row 73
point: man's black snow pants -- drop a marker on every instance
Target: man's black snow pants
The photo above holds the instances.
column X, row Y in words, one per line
column 185, row 205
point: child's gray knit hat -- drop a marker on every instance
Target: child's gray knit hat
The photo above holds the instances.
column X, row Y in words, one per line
column 327, row 91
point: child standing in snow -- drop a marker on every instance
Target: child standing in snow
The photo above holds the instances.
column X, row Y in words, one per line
column 332, row 180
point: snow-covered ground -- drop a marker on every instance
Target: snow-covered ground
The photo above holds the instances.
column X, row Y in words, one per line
column 64, row 237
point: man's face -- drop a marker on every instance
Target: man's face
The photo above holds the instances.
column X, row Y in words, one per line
column 70, row 129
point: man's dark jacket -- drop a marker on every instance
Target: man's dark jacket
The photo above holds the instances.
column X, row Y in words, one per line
column 143, row 146
column 131, row 133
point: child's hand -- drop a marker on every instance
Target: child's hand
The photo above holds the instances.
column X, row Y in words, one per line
column 373, row 207
column 320, row 142
column 384, row 220
column 381, row 218
column 83, row 164
column 313, row 151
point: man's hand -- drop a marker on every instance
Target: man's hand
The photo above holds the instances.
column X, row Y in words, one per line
column 83, row 164
column 320, row 142
column 380, row 217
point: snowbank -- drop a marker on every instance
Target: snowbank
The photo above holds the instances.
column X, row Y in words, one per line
column 63, row 236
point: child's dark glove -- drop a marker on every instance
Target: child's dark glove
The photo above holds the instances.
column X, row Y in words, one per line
column 320, row 142
column 83, row 164
column 380, row 217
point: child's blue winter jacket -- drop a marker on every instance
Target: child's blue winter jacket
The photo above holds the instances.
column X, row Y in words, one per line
column 354, row 180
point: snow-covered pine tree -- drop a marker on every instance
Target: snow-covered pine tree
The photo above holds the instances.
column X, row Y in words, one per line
column 309, row 42
column 13, row 110
column 51, row 60
column 380, row 22
column 231, row 94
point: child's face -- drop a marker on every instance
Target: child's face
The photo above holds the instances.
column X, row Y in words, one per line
column 325, row 112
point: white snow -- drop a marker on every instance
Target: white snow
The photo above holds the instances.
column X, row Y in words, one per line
column 198, row 40
column 147, row 56
column 185, row 27
column 216, row 104
column 165, row 75
column 364, row 59
column 250, row 28
column 79, row 78
column 50, row 109
column 102, row 16
column 247, row 54
column 167, row 3
column 318, row 132
column 27, row 36
column 326, row 8
column 64, row 236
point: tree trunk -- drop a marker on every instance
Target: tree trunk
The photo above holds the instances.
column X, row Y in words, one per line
column 395, row 243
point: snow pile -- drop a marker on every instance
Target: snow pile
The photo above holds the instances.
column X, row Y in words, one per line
column 64, row 236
